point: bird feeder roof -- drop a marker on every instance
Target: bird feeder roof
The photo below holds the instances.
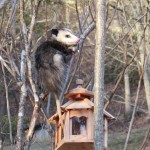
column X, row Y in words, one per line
column 79, row 93
column 80, row 104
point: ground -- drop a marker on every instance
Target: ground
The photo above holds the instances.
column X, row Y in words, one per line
column 116, row 141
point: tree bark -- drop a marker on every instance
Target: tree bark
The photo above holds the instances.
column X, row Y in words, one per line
column 28, row 40
column 19, row 145
column 127, row 94
column 32, row 124
column 140, row 40
column 99, row 73
column 133, row 113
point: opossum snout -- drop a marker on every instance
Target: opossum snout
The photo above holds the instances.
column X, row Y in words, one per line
column 78, row 39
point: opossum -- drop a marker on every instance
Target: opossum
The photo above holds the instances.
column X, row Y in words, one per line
column 51, row 59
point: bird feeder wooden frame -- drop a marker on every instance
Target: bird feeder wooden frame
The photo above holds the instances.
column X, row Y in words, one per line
column 78, row 121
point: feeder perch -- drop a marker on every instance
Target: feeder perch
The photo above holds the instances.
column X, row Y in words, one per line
column 78, row 121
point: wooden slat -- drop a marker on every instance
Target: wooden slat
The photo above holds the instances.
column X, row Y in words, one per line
column 79, row 113
column 79, row 105
column 76, row 146
column 78, row 138
column 66, row 127
column 67, row 104
column 70, row 128
column 59, row 133
column 56, row 138
column 90, row 125
column 53, row 119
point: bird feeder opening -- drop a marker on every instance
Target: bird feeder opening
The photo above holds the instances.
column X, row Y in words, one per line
column 79, row 125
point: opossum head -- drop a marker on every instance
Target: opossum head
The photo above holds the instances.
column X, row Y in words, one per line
column 65, row 37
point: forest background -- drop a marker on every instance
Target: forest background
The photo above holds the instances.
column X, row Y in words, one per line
column 23, row 25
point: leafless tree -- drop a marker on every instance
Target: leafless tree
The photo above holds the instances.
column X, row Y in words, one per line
column 20, row 142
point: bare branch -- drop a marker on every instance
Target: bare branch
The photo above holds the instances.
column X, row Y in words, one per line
column 76, row 4
column 82, row 38
column 3, row 62
column 8, row 105
column 134, row 110
column 126, row 34
column 14, row 7
column 3, row 3
column 146, row 139
column 23, row 95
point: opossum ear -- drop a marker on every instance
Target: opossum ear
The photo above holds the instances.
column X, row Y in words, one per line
column 54, row 31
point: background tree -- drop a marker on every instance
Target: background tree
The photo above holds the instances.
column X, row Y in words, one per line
column 99, row 73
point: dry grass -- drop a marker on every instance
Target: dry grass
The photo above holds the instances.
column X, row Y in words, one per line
column 117, row 140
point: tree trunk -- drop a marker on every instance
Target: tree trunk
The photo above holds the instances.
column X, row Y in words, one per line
column 140, row 40
column 99, row 73
column 27, row 43
column 19, row 145
column 32, row 125
column 127, row 94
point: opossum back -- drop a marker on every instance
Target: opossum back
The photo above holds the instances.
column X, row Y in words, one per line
column 50, row 80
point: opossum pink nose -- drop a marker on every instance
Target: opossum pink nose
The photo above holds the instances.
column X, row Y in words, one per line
column 78, row 39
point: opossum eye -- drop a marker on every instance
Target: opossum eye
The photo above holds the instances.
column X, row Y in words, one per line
column 67, row 36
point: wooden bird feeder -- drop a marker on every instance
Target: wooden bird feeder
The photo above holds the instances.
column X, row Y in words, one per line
column 78, row 121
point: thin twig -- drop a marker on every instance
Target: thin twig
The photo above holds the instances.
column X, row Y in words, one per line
column 8, row 105
column 145, row 142
column 82, row 38
column 90, row 10
column 3, row 3
column 13, row 11
column 3, row 62
column 66, row 80
column 126, row 34
column 76, row 5
column 134, row 110
column 113, row 15
column 122, row 73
